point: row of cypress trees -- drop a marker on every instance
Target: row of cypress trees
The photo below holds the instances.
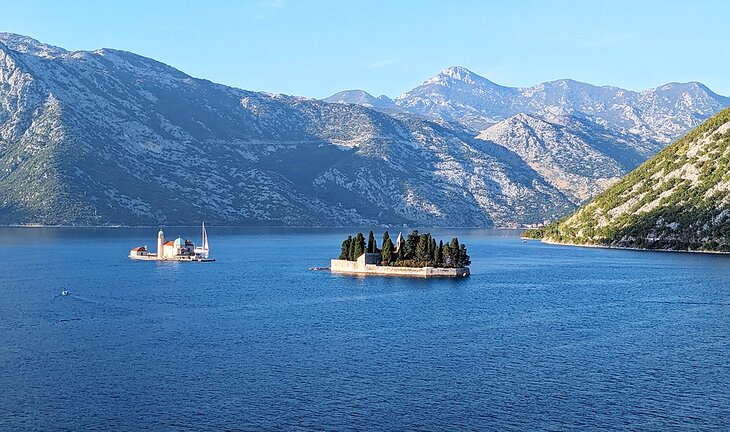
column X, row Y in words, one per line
column 417, row 250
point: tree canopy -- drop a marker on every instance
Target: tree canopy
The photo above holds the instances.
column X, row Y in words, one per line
column 417, row 250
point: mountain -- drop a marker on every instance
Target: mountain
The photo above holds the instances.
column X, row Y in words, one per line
column 678, row 200
column 661, row 114
column 461, row 96
column 580, row 138
column 110, row 137
column 361, row 97
column 578, row 157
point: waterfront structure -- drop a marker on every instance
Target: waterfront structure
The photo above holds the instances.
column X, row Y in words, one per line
column 369, row 264
column 418, row 256
column 174, row 250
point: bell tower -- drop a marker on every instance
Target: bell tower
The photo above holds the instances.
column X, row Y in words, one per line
column 160, row 242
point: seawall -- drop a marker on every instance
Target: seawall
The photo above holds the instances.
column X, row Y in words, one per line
column 357, row 268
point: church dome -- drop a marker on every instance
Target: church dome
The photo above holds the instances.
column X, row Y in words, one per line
column 179, row 242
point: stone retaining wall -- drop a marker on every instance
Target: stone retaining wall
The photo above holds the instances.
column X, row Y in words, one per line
column 357, row 268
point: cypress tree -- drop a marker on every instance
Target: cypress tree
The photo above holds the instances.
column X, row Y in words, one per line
column 351, row 252
column 371, row 242
column 439, row 255
column 386, row 236
column 386, row 255
column 422, row 249
column 345, row 252
column 401, row 252
column 359, row 246
column 432, row 251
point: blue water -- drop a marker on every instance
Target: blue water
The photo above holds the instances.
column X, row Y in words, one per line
column 540, row 337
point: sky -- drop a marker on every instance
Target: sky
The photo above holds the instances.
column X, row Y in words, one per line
column 316, row 48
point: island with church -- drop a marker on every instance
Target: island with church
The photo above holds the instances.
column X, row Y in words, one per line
column 175, row 250
column 418, row 255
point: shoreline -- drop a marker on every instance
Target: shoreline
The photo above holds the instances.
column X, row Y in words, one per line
column 265, row 226
column 550, row 242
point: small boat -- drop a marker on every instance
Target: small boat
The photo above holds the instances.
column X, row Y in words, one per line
column 65, row 292
column 203, row 250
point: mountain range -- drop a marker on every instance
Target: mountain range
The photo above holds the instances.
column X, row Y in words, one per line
column 678, row 200
column 111, row 137
column 580, row 138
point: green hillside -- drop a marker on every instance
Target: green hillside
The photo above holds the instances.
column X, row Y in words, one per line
column 677, row 200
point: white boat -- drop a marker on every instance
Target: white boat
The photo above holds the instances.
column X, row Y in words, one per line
column 204, row 249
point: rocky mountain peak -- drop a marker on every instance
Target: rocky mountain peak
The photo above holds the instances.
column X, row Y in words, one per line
column 28, row 45
column 459, row 74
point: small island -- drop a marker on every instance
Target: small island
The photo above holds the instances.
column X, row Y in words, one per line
column 418, row 255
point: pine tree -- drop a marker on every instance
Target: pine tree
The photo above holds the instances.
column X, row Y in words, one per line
column 371, row 242
column 454, row 248
column 447, row 257
column 386, row 255
column 411, row 244
column 464, row 259
column 422, row 249
column 345, row 252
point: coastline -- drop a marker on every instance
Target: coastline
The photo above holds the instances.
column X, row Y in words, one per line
column 551, row 242
column 264, row 226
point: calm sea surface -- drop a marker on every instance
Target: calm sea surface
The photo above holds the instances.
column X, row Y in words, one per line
column 538, row 338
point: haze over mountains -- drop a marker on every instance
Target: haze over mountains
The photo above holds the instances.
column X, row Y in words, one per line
column 110, row 137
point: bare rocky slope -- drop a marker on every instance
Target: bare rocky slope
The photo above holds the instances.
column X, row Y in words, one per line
column 678, row 200
column 580, row 138
column 110, row 137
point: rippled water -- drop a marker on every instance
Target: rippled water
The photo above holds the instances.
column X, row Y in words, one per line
column 538, row 338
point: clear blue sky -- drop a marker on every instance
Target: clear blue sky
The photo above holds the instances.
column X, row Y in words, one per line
column 316, row 48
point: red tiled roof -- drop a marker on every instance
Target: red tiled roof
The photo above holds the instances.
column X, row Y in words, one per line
column 169, row 243
column 141, row 248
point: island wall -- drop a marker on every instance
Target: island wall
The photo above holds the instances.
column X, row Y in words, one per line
column 360, row 267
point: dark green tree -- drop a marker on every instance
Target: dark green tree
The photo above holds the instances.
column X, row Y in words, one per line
column 386, row 255
column 447, row 256
column 372, row 246
column 454, row 249
column 351, row 252
column 464, row 259
column 345, row 252
column 422, row 249
column 411, row 244
column 386, row 236
column 432, row 249
column 359, row 246
column 439, row 255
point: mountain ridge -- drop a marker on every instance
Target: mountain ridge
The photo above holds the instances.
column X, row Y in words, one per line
column 677, row 200
column 110, row 137
column 478, row 103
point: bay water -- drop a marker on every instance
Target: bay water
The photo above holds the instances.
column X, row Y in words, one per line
column 540, row 337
